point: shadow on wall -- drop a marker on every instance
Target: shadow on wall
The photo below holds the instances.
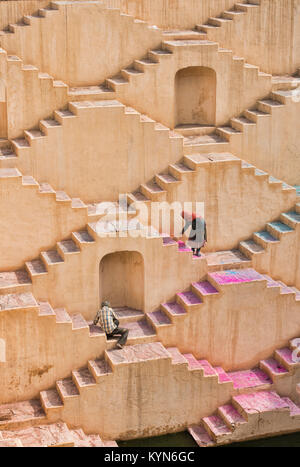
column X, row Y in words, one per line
column 122, row 279
column 195, row 93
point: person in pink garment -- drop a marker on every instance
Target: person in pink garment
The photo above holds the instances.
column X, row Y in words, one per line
column 198, row 233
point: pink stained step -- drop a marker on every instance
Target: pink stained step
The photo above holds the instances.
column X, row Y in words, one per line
column 207, row 368
column 205, row 288
column 236, row 276
column 285, row 356
column 216, row 426
column 189, row 298
column 159, row 318
column 249, row 378
column 139, row 329
column 231, row 416
column 270, row 281
column 182, row 247
column 285, row 290
column 223, row 376
column 260, row 402
column 294, row 408
column 200, row 435
column 177, row 357
column 273, row 367
column 168, row 241
column 192, row 362
column 174, row 308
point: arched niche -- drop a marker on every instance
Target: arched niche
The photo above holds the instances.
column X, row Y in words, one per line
column 121, row 276
column 195, row 96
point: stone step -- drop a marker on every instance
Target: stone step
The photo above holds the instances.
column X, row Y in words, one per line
column 216, row 427
column 204, row 289
column 139, row 332
column 222, row 375
column 294, row 408
column 258, row 403
column 200, row 436
column 249, row 379
column 66, row 389
column 177, row 357
column 208, row 370
column 82, row 440
column 45, row 309
column 127, row 314
column 229, row 259
column 158, row 319
column 15, row 281
column 285, row 358
column 193, row 363
column 62, row 316
column 99, row 368
column 278, row 229
column 173, row 309
column 292, row 219
column 137, row 354
column 18, row 301
column 51, row 401
column 54, row 435
column 83, row 378
column 231, row 416
column 273, row 368
column 241, row 276
column 78, row 322
column 183, row 34
column 264, row 238
column 250, row 248
column 188, row 299
column 21, row 414
column 35, row 268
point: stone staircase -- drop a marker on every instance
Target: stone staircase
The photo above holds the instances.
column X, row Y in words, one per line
column 51, row 435
column 43, row 189
column 23, row 420
column 135, row 75
column 162, row 184
column 207, row 30
column 192, row 299
column 220, row 139
column 274, row 232
column 248, row 416
column 8, row 41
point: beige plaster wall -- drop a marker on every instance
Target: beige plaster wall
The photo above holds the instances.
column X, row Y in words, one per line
column 60, row 43
column 99, row 144
column 272, row 144
column 181, row 14
column 258, row 35
column 11, row 11
column 232, row 80
column 32, row 221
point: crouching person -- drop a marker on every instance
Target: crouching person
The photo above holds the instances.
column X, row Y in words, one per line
column 110, row 324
